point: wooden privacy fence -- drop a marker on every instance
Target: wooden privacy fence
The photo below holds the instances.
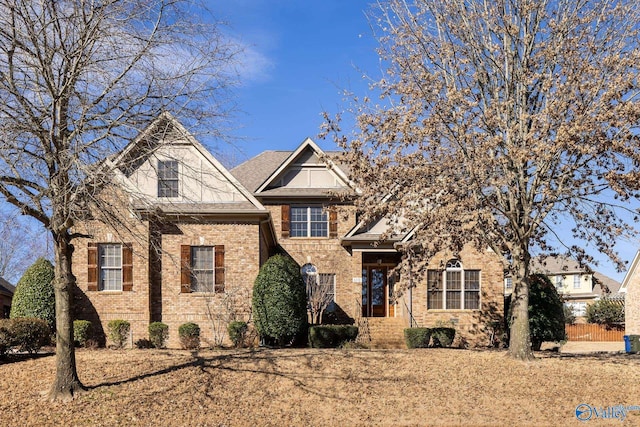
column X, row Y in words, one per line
column 592, row 332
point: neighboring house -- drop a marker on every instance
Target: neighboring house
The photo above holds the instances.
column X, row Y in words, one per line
column 6, row 295
column 578, row 286
column 631, row 290
column 197, row 234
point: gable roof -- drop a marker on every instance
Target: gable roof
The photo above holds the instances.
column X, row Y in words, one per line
column 605, row 285
column 6, row 288
column 261, row 171
column 256, row 170
column 167, row 123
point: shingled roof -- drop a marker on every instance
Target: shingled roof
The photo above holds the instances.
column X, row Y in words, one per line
column 255, row 171
column 560, row 264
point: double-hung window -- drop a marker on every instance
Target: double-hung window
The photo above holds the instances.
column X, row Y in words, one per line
column 202, row 269
column 309, row 221
column 109, row 266
column 454, row 288
column 168, row 178
column 576, row 281
column 110, row 256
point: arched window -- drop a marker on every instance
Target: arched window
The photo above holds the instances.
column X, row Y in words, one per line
column 453, row 288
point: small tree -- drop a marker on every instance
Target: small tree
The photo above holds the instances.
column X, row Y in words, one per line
column 319, row 292
column 546, row 311
column 279, row 301
column 606, row 312
column 34, row 295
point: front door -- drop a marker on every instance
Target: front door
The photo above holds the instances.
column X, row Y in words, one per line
column 375, row 291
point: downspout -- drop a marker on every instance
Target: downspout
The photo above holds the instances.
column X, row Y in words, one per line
column 410, row 292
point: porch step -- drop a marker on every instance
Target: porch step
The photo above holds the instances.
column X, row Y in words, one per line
column 386, row 332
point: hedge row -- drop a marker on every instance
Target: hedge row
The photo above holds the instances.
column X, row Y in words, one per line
column 421, row 337
column 331, row 336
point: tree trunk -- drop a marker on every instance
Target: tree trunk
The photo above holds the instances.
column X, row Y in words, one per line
column 520, row 334
column 66, row 385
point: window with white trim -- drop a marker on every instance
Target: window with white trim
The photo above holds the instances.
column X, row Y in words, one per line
column 453, row 288
column 576, row 281
column 110, row 267
column 168, row 178
column 559, row 281
column 578, row 308
column 508, row 283
column 309, row 221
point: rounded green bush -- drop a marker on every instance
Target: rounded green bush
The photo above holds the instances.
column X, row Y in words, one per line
column 606, row 312
column 279, row 301
column 237, row 332
column 332, row 336
column 443, row 336
column 189, row 334
column 30, row 333
column 546, row 311
column 34, row 295
column 7, row 340
column 81, row 332
column 158, row 334
column 119, row 332
column 417, row 337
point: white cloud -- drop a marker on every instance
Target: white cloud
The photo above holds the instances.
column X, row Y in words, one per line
column 253, row 66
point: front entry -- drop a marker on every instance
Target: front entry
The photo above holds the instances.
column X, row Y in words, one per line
column 376, row 292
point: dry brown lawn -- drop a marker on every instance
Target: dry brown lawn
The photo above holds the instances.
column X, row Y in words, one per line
column 309, row 387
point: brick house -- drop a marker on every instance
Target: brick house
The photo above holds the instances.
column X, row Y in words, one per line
column 196, row 235
column 6, row 296
column 631, row 290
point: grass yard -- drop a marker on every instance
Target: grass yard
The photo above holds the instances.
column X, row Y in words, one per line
column 310, row 387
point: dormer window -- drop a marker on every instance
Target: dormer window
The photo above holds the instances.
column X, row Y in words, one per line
column 167, row 178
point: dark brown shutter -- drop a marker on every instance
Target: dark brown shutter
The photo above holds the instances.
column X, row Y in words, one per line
column 92, row 266
column 185, row 268
column 219, row 268
column 285, row 221
column 333, row 222
column 127, row 267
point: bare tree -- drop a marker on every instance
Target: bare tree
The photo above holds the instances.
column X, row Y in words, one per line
column 77, row 80
column 319, row 294
column 507, row 124
column 20, row 246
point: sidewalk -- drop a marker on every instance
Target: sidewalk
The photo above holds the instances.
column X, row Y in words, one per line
column 577, row 347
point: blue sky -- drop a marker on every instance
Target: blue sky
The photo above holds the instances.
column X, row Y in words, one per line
column 299, row 57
